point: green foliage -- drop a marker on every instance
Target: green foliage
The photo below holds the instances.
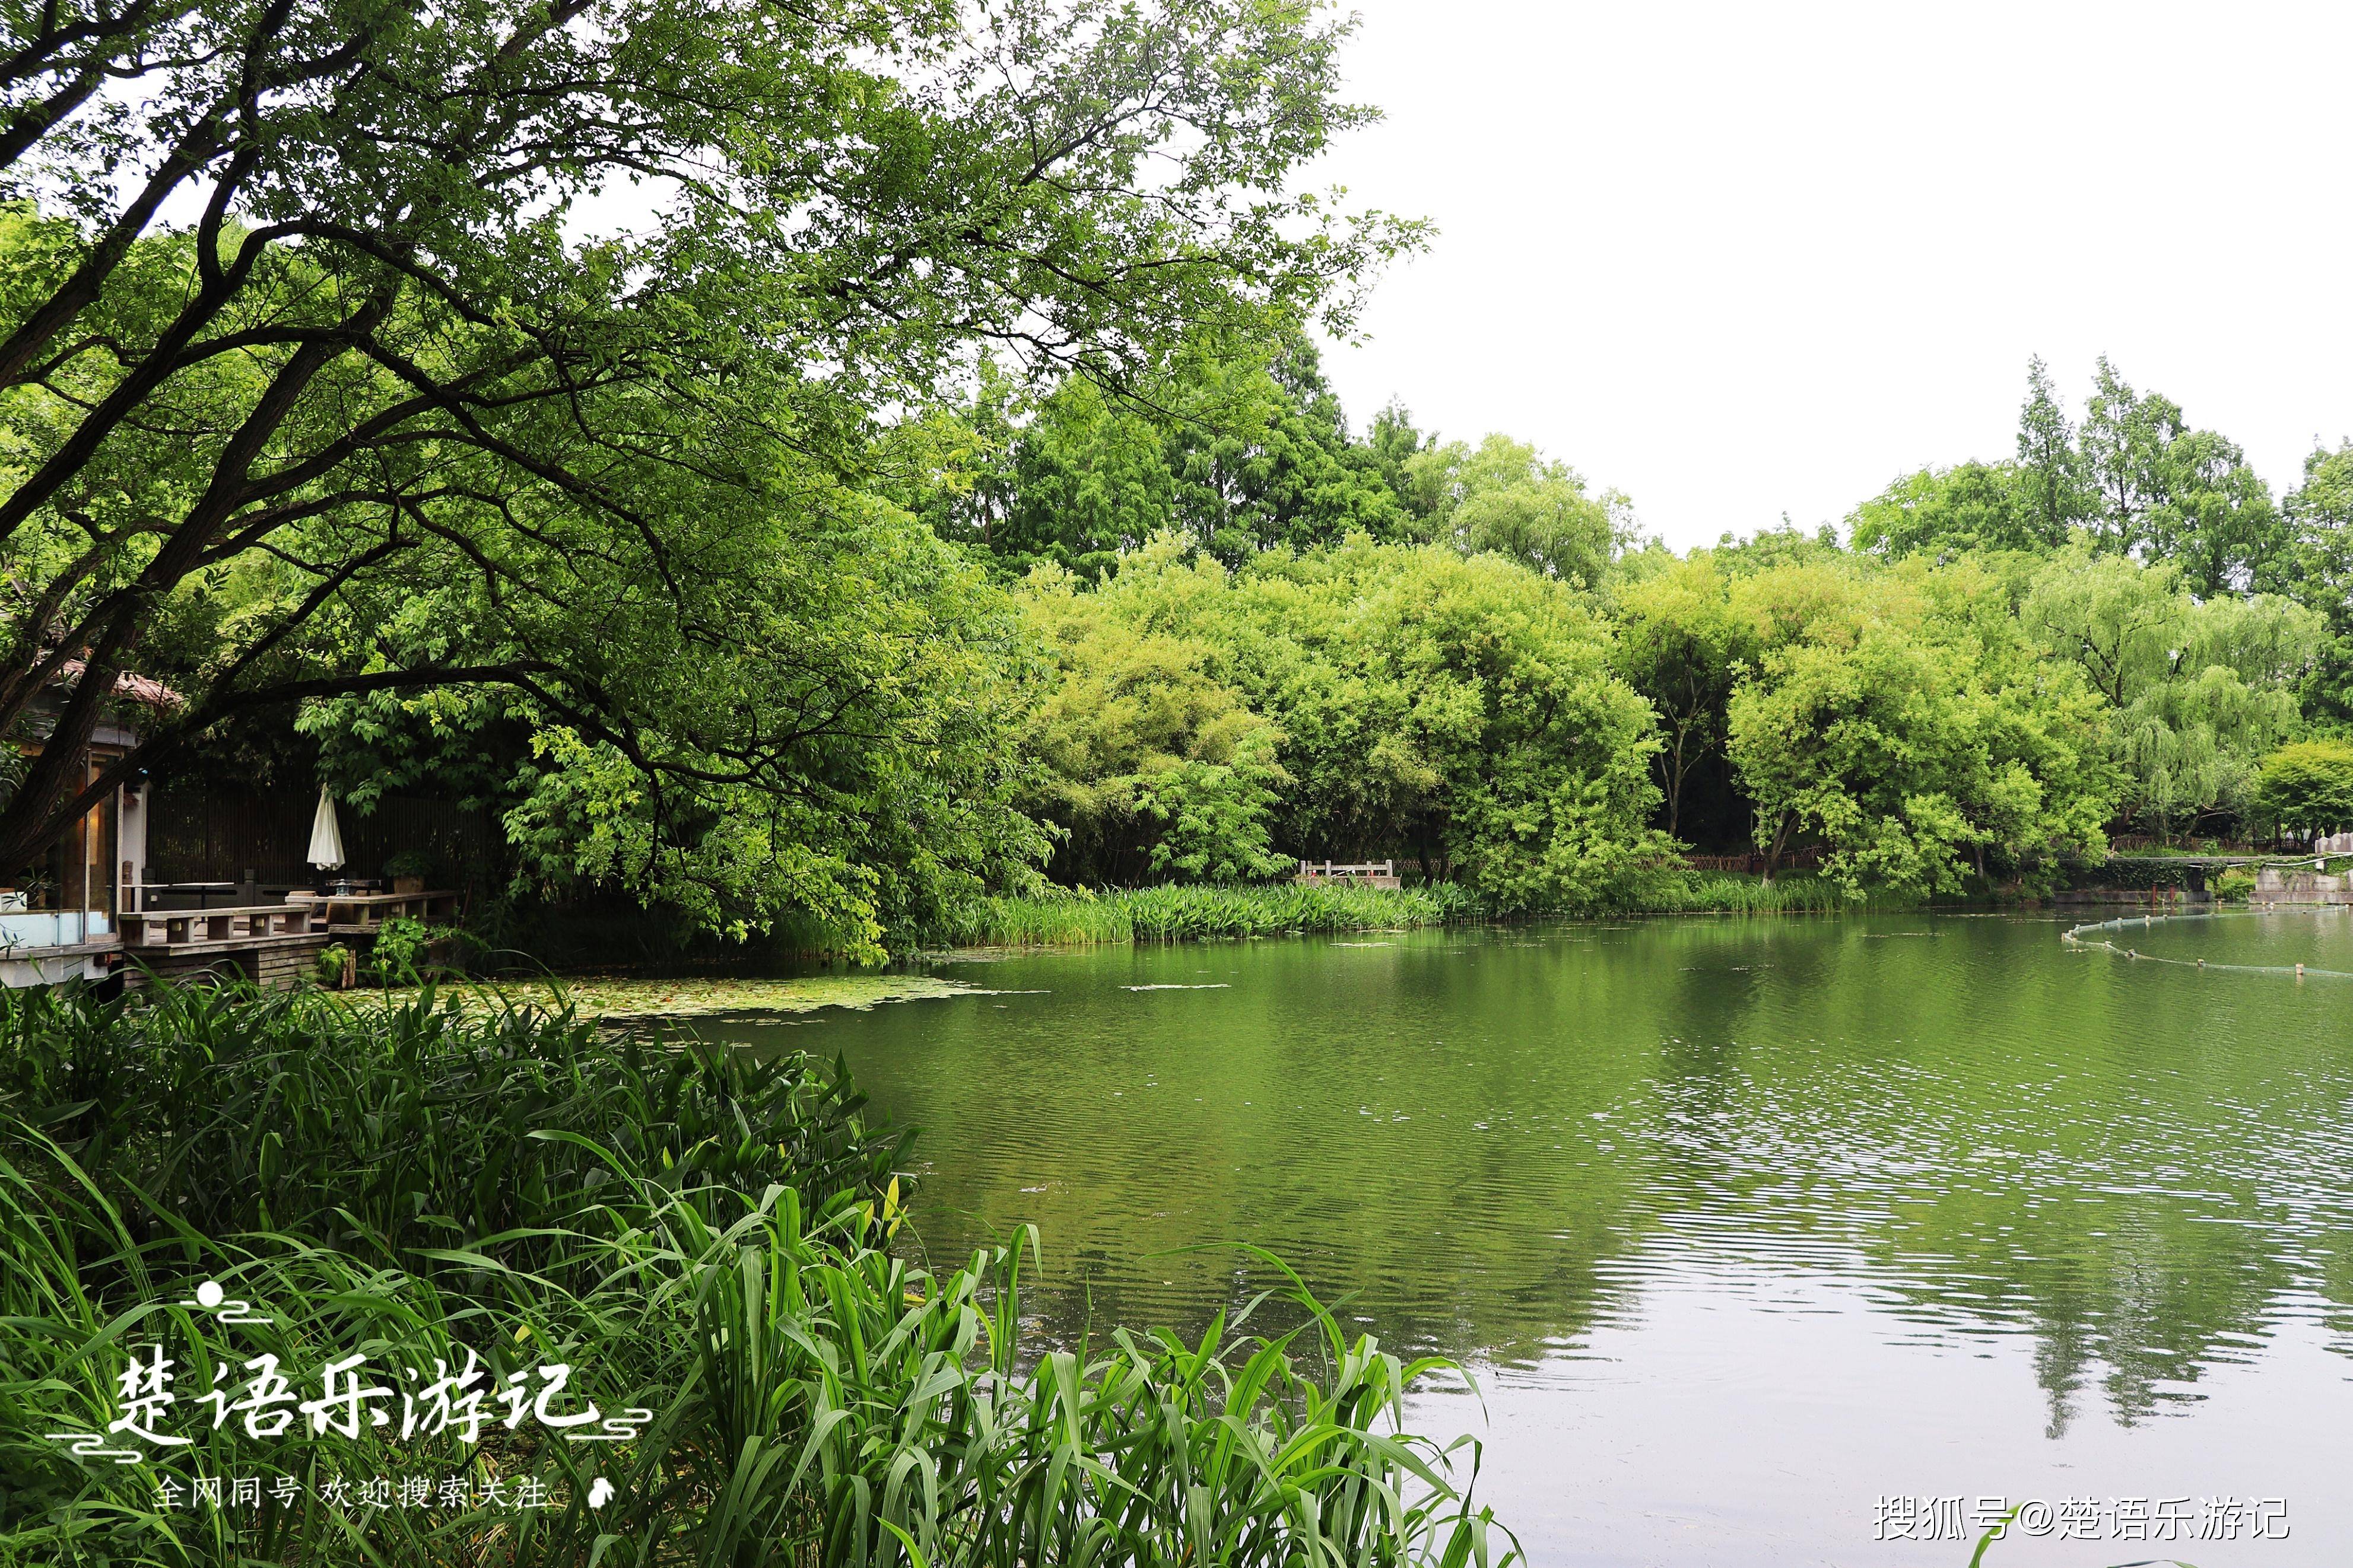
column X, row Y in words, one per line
column 2173, row 493
column 2320, row 573
column 2234, row 886
column 2309, row 785
column 397, row 1128
column 386, row 420
column 1683, row 645
column 1243, row 447
column 2198, row 689
column 400, row 943
column 1418, row 701
column 881, row 672
column 1148, row 763
column 1900, row 717
column 1211, row 818
column 2050, row 495
column 2136, row 480
column 813, row 1397
column 409, row 863
column 1504, row 497
column 1725, row 892
column 328, row 968
column 1946, row 512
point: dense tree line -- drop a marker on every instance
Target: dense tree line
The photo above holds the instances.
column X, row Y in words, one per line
column 321, row 398
column 1475, row 662
column 938, row 490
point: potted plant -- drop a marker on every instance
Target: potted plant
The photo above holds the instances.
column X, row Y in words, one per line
column 408, row 871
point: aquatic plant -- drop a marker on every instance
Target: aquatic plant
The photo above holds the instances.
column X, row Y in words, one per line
column 717, row 1244
column 1176, row 913
column 391, row 1130
column 1728, row 892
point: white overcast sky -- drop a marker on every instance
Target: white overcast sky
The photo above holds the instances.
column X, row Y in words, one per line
column 1742, row 259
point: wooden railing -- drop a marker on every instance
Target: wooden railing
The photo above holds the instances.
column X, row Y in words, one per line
column 1355, row 869
column 1754, row 862
column 302, row 914
column 184, row 927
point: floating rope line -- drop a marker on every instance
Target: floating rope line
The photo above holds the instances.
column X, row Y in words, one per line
column 2078, row 937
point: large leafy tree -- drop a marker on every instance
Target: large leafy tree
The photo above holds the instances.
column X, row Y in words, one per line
column 1148, row 763
column 2319, row 575
column 381, row 414
column 2309, row 785
column 1504, row 497
column 2198, row 689
column 1946, row 512
column 1459, row 711
column 2050, row 495
column 1245, row 447
column 1683, row 643
column 1900, row 718
column 1263, row 459
column 2167, row 491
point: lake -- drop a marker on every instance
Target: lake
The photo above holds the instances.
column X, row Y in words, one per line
column 1747, row 1227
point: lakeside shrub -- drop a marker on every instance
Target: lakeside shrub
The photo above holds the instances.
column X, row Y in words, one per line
column 708, row 1241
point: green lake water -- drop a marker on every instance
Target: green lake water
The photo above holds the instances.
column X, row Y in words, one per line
column 1743, row 1225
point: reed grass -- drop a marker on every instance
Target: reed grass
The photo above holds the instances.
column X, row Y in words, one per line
column 715, row 1242
column 1730, row 892
column 1181, row 913
column 1082, row 918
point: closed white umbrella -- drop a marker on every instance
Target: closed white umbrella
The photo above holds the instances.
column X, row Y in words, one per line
column 326, row 837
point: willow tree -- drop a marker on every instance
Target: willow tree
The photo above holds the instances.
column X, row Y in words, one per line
column 2200, row 689
column 580, row 316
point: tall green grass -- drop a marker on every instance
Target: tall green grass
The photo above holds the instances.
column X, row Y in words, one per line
column 709, row 1240
column 1727, row 892
column 1178, row 913
column 1080, row 917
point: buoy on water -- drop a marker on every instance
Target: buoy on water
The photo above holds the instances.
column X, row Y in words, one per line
column 2299, row 972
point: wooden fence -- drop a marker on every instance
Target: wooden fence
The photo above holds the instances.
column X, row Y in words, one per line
column 1754, row 864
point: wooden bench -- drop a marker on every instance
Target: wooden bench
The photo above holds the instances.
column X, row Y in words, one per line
column 364, row 914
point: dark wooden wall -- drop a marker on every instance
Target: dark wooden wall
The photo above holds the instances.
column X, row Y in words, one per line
column 219, row 835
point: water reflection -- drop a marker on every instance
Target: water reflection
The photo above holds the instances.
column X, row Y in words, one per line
column 1963, row 1135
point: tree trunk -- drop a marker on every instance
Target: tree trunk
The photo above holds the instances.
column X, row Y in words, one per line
column 1780, row 841
column 1674, row 789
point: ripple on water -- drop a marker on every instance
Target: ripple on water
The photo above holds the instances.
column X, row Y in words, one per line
column 1858, row 1184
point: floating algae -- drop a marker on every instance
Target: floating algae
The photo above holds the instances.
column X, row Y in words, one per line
column 616, row 997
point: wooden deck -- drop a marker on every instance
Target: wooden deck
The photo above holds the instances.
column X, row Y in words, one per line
column 205, row 928
column 271, row 944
